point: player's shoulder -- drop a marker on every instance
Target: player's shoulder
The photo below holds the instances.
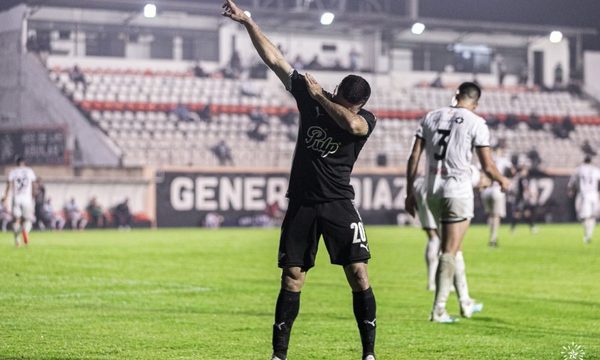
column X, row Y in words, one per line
column 368, row 115
column 471, row 116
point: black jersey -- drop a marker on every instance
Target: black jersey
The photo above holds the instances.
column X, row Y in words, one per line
column 325, row 153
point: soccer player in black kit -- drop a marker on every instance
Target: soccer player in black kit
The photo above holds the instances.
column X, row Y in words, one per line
column 333, row 130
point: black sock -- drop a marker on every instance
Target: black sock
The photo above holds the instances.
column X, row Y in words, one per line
column 286, row 310
column 364, row 312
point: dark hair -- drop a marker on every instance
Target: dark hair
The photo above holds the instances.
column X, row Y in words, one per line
column 468, row 90
column 355, row 90
column 19, row 160
column 587, row 159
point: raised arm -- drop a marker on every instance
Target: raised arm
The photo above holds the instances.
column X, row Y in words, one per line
column 343, row 116
column 489, row 167
column 411, row 174
column 265, row 48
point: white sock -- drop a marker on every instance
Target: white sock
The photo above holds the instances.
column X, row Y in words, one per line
column 432, row 257
column 444, row 276
column 17, row 232
column 27, row 225
column 494, row 224
column 589, row 225
column 460, row 278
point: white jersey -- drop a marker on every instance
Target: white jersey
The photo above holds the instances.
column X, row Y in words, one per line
column 503, row 164
column 21, row 179
column 585, row 180
column 450, row 134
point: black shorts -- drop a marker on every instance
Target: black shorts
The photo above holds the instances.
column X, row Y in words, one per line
column 338, row 221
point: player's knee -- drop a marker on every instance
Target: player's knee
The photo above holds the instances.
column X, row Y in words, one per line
column 358, row 277
column 292, row 279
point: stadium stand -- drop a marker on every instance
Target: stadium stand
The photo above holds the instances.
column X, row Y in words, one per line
column 140, row 110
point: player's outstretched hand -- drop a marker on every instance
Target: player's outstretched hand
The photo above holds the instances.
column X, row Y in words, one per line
column 314, row 89
column 410, row 205
column 232, row 11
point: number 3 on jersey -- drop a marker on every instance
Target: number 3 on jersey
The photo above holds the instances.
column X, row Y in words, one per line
column 359, row 233
column 442, row 144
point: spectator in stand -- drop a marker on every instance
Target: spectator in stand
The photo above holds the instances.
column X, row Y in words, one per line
column 199, row 71
column 184, row 114
column 39, row 199
column 563, row 129
column 354, row 55
column 75, row 216
column 298, row 63
column 51, row 219
column 205, row 114
column 290, row 118
column 235, row 64
column 558, row 76
column 223, row 153
column 534, row 158
column 78, row 77
column 534, row 122
column 213, row 220
column 502, row 69
column 5, row 216
column 511, row 121
column 524, row 75
column 492, row 121
column 95, row 214
column 314, row 64
column 587, row 149
column 122, row 215
column 437, row 82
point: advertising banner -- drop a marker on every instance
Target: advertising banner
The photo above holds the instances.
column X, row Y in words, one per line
column 258, row 199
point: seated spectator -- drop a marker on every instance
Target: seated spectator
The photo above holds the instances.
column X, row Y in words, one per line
column 50, row 218
column 535, row 123
column 205, row 114
column 95, row 214
column 492, row 121
column 78, row 77
column 290, row 118
column 437, row 82
column 75, row 216
column 213, row 220
column 122, row 215
column 563, row 129
column 314, row 64
column 587, row 149
column 258, row 117
column 511, row 121
column 337, row 65
column 199, row 71
column 223, row 153
column 184, row 114
column 5, row 216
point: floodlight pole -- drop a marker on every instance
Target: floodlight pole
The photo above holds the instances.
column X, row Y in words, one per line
column 412, row 9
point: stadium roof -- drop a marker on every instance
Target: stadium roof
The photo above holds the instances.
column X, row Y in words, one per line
column 531, row 16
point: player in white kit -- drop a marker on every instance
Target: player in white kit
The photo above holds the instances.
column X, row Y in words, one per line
column 585, row 184
column 448, row 136
column 494, row 200
column 20, row 186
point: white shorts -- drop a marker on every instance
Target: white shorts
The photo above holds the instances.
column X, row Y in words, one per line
column 425, row 216
column 586, row 206
column 494, row 202
column 451, row 210
column 23, row 208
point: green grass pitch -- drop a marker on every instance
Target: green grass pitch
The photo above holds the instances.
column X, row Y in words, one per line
column 201, row 294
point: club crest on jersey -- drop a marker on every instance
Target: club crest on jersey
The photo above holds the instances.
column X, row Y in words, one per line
column 459, row 120
column 318, row 140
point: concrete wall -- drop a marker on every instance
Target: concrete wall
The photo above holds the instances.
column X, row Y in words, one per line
column 591, row 61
